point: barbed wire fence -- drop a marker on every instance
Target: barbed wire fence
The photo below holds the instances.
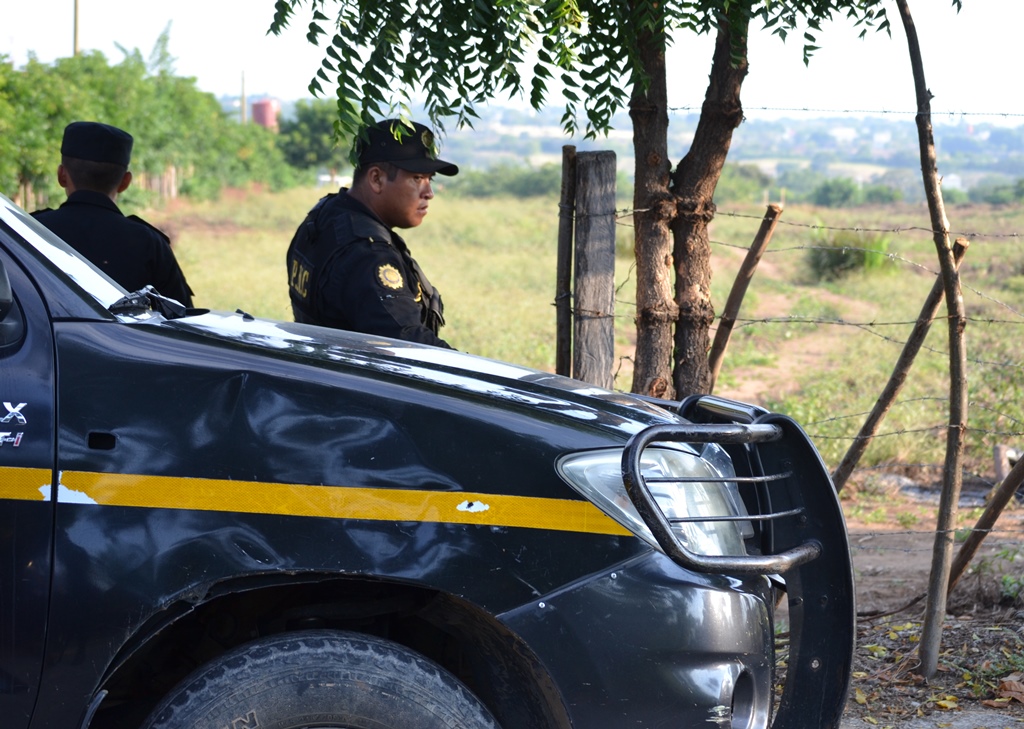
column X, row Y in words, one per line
column 820, row 111
column 904, row 460
column 896, row 469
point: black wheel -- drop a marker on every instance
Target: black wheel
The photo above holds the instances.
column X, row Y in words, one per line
column 321, row 680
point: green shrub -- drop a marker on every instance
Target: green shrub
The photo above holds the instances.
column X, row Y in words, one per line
column 835, row 254
column 798, row 182
column 741, row 183
column 997, row 190
column 881, row 195
column 955, row 196
column 841, row 192
column 512, row 180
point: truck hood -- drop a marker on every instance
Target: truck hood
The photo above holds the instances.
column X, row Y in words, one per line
column 424, row 365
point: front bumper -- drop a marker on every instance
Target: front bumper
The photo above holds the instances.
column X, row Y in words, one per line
column 674, row 638
column 648, row 644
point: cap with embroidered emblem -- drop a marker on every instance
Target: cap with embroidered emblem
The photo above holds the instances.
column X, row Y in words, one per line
column 97, row 142
column 413, row 149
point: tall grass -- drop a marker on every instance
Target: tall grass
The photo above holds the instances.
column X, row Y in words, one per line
column 863, row 319
column 232, row 250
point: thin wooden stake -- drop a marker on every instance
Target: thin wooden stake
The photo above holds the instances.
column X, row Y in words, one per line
column 899, row 374
column 739, row 290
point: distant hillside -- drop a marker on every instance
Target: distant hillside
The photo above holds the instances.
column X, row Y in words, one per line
column 866, row 149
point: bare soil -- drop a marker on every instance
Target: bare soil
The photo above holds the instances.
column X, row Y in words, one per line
column 981, row 664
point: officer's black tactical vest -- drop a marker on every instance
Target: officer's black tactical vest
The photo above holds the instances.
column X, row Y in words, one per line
column 314, row 244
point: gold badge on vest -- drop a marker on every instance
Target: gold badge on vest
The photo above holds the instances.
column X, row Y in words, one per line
column 389, row 276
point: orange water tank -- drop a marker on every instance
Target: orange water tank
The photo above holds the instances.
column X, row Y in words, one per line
column 265, row 111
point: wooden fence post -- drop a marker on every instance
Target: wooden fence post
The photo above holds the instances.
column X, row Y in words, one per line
column 594, row 350
column 563, row 274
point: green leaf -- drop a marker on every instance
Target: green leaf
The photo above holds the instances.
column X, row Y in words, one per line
column 282, row 12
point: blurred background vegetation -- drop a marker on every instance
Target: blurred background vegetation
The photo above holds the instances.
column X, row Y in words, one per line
column 189, row 143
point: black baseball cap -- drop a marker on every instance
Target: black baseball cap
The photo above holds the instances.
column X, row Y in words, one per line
column 97, row 142
column 407, row 145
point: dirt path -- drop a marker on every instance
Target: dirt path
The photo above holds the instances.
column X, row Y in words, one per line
column 800, row 353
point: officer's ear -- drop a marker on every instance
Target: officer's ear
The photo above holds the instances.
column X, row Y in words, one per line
column 63, row 178
column 126, row 180
column 376, row 176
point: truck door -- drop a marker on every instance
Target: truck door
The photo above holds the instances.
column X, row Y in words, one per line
column 26, row 498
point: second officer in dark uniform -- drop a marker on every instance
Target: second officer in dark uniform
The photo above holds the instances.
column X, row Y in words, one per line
column 94, row 171
column 347, row 268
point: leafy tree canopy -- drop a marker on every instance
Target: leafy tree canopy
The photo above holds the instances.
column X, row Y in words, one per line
column 308, row 140
column 175, row 125
column 460, row 53
column 838, row 193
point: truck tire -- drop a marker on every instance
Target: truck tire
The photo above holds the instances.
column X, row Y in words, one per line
column 322, row 679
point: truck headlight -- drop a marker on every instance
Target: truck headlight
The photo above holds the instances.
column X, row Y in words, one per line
column 702, row 492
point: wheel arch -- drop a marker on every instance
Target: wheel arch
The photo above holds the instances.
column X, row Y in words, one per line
column 493, row 662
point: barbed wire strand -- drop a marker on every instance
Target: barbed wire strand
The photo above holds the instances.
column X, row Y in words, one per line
column 871, row 112
column 624, row 213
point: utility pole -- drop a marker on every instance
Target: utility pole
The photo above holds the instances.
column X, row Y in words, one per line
column 76, row 28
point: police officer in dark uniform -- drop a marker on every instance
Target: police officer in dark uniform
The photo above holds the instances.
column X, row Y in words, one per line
column 347, row 268
column 93, row 171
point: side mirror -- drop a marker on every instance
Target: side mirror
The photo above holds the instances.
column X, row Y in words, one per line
column 12, row 323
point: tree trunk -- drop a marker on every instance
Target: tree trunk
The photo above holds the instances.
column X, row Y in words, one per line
column 693, row 184
column 653, row 213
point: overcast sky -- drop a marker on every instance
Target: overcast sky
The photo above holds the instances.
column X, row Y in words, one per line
column 971, row 59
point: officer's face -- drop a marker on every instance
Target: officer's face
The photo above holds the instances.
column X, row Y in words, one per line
column 404, row 200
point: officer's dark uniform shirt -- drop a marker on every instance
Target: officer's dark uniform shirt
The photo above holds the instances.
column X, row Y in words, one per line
column 128, row 249
column 347, row 270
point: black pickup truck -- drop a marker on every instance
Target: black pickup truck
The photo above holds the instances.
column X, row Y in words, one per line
column 212, row 520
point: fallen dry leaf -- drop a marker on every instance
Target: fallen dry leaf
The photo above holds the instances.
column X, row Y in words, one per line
column 1012, row 690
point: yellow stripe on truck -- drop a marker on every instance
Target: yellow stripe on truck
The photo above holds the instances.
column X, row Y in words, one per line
column 164, row 492
column 25, row 484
